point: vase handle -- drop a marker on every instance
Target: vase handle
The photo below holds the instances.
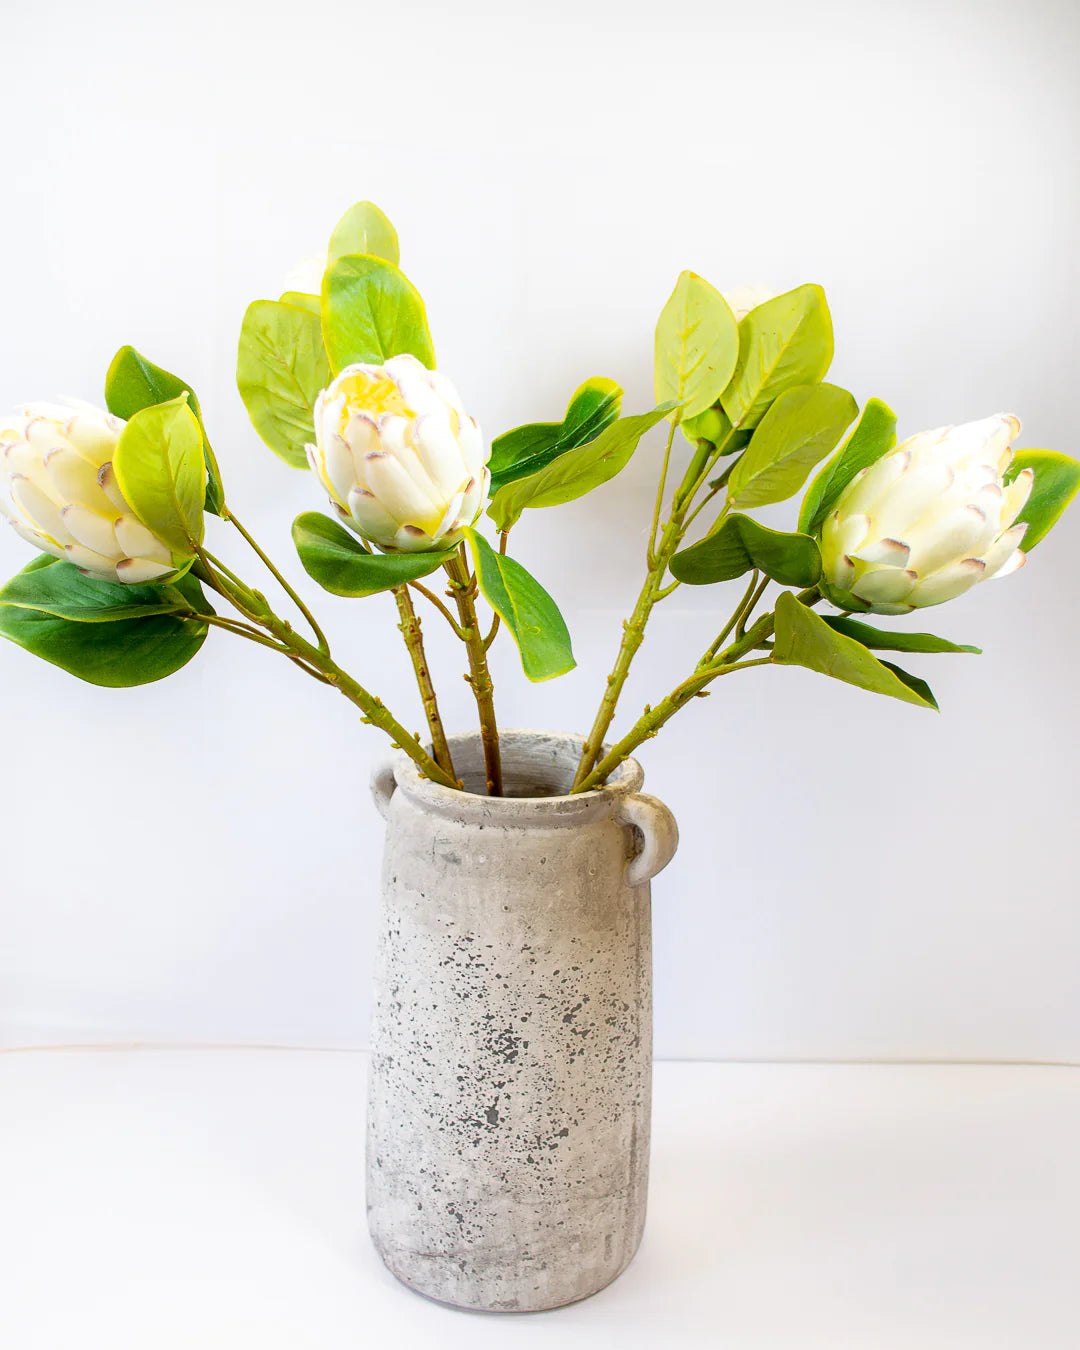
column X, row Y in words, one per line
column 659, row 835
column 383, row 784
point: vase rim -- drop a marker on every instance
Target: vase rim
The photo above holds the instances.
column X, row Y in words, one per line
column 530, row 757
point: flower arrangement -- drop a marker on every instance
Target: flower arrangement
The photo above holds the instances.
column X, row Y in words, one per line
column 344, row 383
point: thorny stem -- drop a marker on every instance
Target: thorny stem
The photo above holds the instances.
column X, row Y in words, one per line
column 430, row 595
column 414, row 641
column 463, row 588
column 316, row 662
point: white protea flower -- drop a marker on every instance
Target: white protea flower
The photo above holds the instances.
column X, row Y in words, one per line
column 59, row 492
column 745, row 298
column 928, row 520
column 404, row 464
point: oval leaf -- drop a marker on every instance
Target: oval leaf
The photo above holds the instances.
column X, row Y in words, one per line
column 281, row 367
column 525, row 450
column 740, row 545
column 364, row 229
column 103, row 632
column 696, row 346
column 1057, row 478
column 528, row 611
column 133, row 383
column 872, row 436
column 370, row 312
column 784, row 342
column 161, row 471
column 576, row 471
column 803, row 638
column 881, row 640
column 339, row 562
column 801, row 427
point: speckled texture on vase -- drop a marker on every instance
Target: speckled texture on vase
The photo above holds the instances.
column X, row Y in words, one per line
column 508, row 1136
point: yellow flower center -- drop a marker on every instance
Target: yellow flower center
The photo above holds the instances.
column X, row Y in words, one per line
column 375, row 396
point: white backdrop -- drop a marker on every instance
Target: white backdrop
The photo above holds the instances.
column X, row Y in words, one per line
column 196, row 860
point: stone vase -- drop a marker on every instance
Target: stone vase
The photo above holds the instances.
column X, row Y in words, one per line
column 509, row 1099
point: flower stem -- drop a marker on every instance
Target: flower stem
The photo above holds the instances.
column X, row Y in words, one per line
column 463, row 587
column 414, row 641
column 320, row 637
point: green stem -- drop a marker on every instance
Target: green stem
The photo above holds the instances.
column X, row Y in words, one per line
column 319, row 635
column 463, row 586
column 317, row 662
column 414, row 641
column 430, row 595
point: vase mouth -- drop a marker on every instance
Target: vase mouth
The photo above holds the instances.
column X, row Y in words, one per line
column 538, row 770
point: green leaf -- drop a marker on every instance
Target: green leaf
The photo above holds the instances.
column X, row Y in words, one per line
column 914, row 683
column 133, row 383
column 741, row 544
column 803, row 638
column 800, row 428
column 301, row 300
column 160, row 468
column 783, row 343
column 527, row 449
column 697, row 343
column 1057, row 478
column 281, row 367
column 340, row 563
column 577, row 471
column 371, row 312
column 872, row 436
column 364, row 229
column 104, row 632
column 881, row 640
column 528, row 611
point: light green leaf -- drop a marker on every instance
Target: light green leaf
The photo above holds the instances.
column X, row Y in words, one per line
column 527, row 449
column 370, row 312
column 364, row 229
column 104, row 632
column 577, row 471
column 741, row 544
column 783, row 343
column 301, row 300
column 281, row 367
column 134, row 383
column 528, row 611
column 803, row 638
column 872, row 436
column 899, row 641
column 1057, row 478
column 697, row 342
column 801, row 427
column 161, row 471
column 339, row 562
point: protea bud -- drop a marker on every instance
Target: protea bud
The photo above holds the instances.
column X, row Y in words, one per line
column 59, row 492
column 928, row 520
column 404, row 464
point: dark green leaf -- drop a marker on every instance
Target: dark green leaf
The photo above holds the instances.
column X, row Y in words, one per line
column 882, row 640
column 160, row 468
column 872, row 436
column 281, row 367
column 1057, row 478
column 370, row 312
column 697, row 342
column 339, row 562
column 103, row 632
column 741, row 544
column 364, row 229
column 783, row 343
column 577, row 471
column 528, row 611
column 527, row 449
column 800, row 428
column 914, row 683
column 134, row 383
column 803, row 638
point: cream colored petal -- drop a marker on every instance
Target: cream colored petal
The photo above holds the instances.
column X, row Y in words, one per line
column 890, row 552
column 35, row 538
column 868, row 484
column 395, row 437
column 338, row 466
column 950, row 541
column 397, row 492
column 413, row 382
column 94, row 434
column 906, row 499
column 1001, row 551
column 1016, row 495
column 92, row 531
column 75, row 480
column 446, row 391
column 370, row 519
column 110, row 486
column 474, row 450
column 40, row 510
column 137, row 541
column 889, row 584
column 440, row 454
column 947, row 584
column 412, row 539
column 96, row 564
column 884, row 607
column 140, row 571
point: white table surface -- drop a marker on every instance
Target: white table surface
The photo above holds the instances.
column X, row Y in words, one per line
column 152, row 1199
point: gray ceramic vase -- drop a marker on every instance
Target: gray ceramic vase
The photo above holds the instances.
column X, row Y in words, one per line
column 508, row 1126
